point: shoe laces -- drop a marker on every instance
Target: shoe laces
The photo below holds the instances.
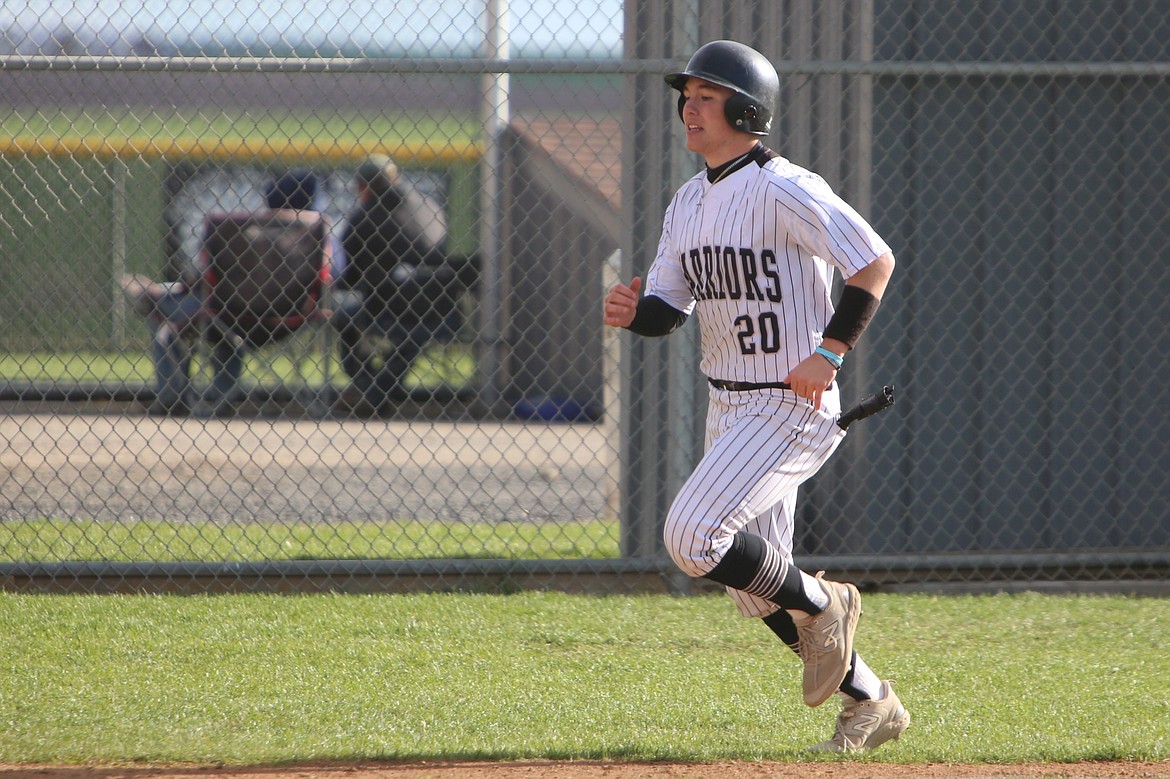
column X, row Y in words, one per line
column 844, row 720
column 818, row 638
column 845, row 735
column 849, row 706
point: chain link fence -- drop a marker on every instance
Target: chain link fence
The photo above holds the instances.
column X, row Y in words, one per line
column 1013, row 155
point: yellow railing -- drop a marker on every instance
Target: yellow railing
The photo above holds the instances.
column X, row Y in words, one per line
column 234, row 150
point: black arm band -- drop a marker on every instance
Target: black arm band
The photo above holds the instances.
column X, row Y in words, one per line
column 656, row 317
column 854, row 311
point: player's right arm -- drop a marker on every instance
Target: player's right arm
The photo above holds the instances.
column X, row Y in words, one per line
column 668, row 301
column 621, row 303
column 649, row 316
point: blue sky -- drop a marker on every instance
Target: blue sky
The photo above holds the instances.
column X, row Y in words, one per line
column 537, row 27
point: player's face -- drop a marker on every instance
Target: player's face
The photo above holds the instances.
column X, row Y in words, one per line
column 708, row 132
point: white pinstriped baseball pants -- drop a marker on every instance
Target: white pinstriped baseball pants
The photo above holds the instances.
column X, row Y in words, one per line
column 761, row 445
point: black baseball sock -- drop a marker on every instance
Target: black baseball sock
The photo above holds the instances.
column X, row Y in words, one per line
column 780, row 622
column 754, row 566
column 847, row 685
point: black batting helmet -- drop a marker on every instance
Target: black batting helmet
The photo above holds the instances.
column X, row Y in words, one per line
column 741, row 69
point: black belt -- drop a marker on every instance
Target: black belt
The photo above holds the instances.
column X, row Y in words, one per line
column 743, row 386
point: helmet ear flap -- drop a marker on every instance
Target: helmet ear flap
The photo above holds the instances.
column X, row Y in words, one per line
column 747, row 115
column 740, row 111
column 682, row 101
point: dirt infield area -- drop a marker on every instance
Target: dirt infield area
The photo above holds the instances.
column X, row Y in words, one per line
column 536, row 769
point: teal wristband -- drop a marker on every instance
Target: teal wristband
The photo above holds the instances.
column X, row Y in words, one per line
column 834, row 359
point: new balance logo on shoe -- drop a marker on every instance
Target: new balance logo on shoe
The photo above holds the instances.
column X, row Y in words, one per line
column 866, row 725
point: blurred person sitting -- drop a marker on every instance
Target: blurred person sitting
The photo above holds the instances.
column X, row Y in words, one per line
column 176, row 312
column 396, row 293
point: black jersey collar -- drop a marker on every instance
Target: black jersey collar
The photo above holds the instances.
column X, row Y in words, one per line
column 758, row 154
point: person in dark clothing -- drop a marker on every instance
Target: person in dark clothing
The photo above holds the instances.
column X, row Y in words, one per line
column 394, row 241
column 173, row 310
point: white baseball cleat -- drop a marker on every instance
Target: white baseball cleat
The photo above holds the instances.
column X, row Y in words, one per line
column 826, row 641
column 866, row 725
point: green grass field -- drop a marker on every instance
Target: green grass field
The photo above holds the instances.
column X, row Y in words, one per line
column 451, row 365
column 259, row 679
column 46, row 540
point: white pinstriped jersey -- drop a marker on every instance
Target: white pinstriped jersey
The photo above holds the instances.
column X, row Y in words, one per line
column 754, row 254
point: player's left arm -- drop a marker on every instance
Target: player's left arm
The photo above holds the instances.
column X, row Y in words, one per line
column 859, row 301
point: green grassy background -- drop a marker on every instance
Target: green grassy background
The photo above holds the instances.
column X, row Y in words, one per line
column 254, row 679
column 60, row 540
column 446, row 364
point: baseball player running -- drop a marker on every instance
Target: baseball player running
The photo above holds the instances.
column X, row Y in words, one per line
column 751, row 244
